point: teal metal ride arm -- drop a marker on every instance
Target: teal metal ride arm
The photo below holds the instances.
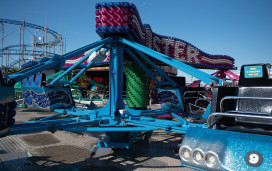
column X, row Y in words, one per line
column 161, row 71
column 54, row 75
column 75, row 65
column 56, row 62
column 19, row 76
column 110, row 114
column 142, row 65
column 208, row 79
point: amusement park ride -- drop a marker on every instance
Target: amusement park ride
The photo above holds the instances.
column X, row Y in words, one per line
column 233, row 133
column 45, row 42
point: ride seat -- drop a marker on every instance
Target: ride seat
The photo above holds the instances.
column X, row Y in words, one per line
column 254, row 82
column 253, row 105
column 248, row 104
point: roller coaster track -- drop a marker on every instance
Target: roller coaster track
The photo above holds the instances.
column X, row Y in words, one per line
column 56, row 35
column 19, row 49
column 13, row 46
column 16, row 62
column 9, row 51
column 28, row 52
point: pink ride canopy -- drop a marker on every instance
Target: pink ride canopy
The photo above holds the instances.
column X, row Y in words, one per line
column 122, row 18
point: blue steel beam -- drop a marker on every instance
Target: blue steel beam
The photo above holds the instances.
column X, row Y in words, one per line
column 56, row 61
column 75, row 65
column 80, row 51
column 81, row 72
column 162, row 73
column 19, row 76
column 208, row 79
column 84, row 69
column 142, row 65
column 49, row 125
column 168, row 126
column 154, row 123
column 51, row 117
column 116, row 101
column 73, row 124
column 160, row 111
column 124, row 128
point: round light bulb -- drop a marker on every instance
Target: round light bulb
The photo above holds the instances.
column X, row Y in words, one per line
column 186, row 153
column 211, row 160
column 198, row 157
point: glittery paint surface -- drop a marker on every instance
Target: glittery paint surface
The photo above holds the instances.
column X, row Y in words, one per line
column 230, row 148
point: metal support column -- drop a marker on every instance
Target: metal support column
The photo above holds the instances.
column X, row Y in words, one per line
column 116, row 79
column 23, row 46
column 2, row 56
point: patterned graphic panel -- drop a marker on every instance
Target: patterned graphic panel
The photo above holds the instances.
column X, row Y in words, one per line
column 122, row 18
column 45, row 100
column 170, row 97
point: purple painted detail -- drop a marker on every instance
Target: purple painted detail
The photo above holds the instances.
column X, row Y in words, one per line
column 29, row 64
column 30, row 80
column 46, row 100
column 24, row 82
column 168, row 97
column 38, row 79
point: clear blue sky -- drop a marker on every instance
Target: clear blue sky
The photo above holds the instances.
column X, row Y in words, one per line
column 241, row 29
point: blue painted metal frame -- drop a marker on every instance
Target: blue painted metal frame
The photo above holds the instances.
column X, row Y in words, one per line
column 174, row 63
column 109, row 117
column 158, row 70
column 75, row 65
column 116, row 79
column 149, row 74
column 55, row 62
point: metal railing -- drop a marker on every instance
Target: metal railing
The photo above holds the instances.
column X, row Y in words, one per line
column 199, row 96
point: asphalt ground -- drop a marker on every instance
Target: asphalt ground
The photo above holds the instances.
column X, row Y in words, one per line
column 77, row 151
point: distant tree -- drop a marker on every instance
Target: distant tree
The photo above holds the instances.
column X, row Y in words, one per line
column 9, row 71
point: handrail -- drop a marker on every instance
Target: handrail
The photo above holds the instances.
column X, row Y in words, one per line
column 220, row 115
column 241, row 98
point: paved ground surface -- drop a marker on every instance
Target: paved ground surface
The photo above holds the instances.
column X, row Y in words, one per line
column 72, row 151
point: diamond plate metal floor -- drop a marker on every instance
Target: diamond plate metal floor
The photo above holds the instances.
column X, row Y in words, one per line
column 70, row 151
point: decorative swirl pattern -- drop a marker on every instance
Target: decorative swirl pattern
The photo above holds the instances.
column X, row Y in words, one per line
column 168, row 97
column 47, row 99
column 122, row 18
